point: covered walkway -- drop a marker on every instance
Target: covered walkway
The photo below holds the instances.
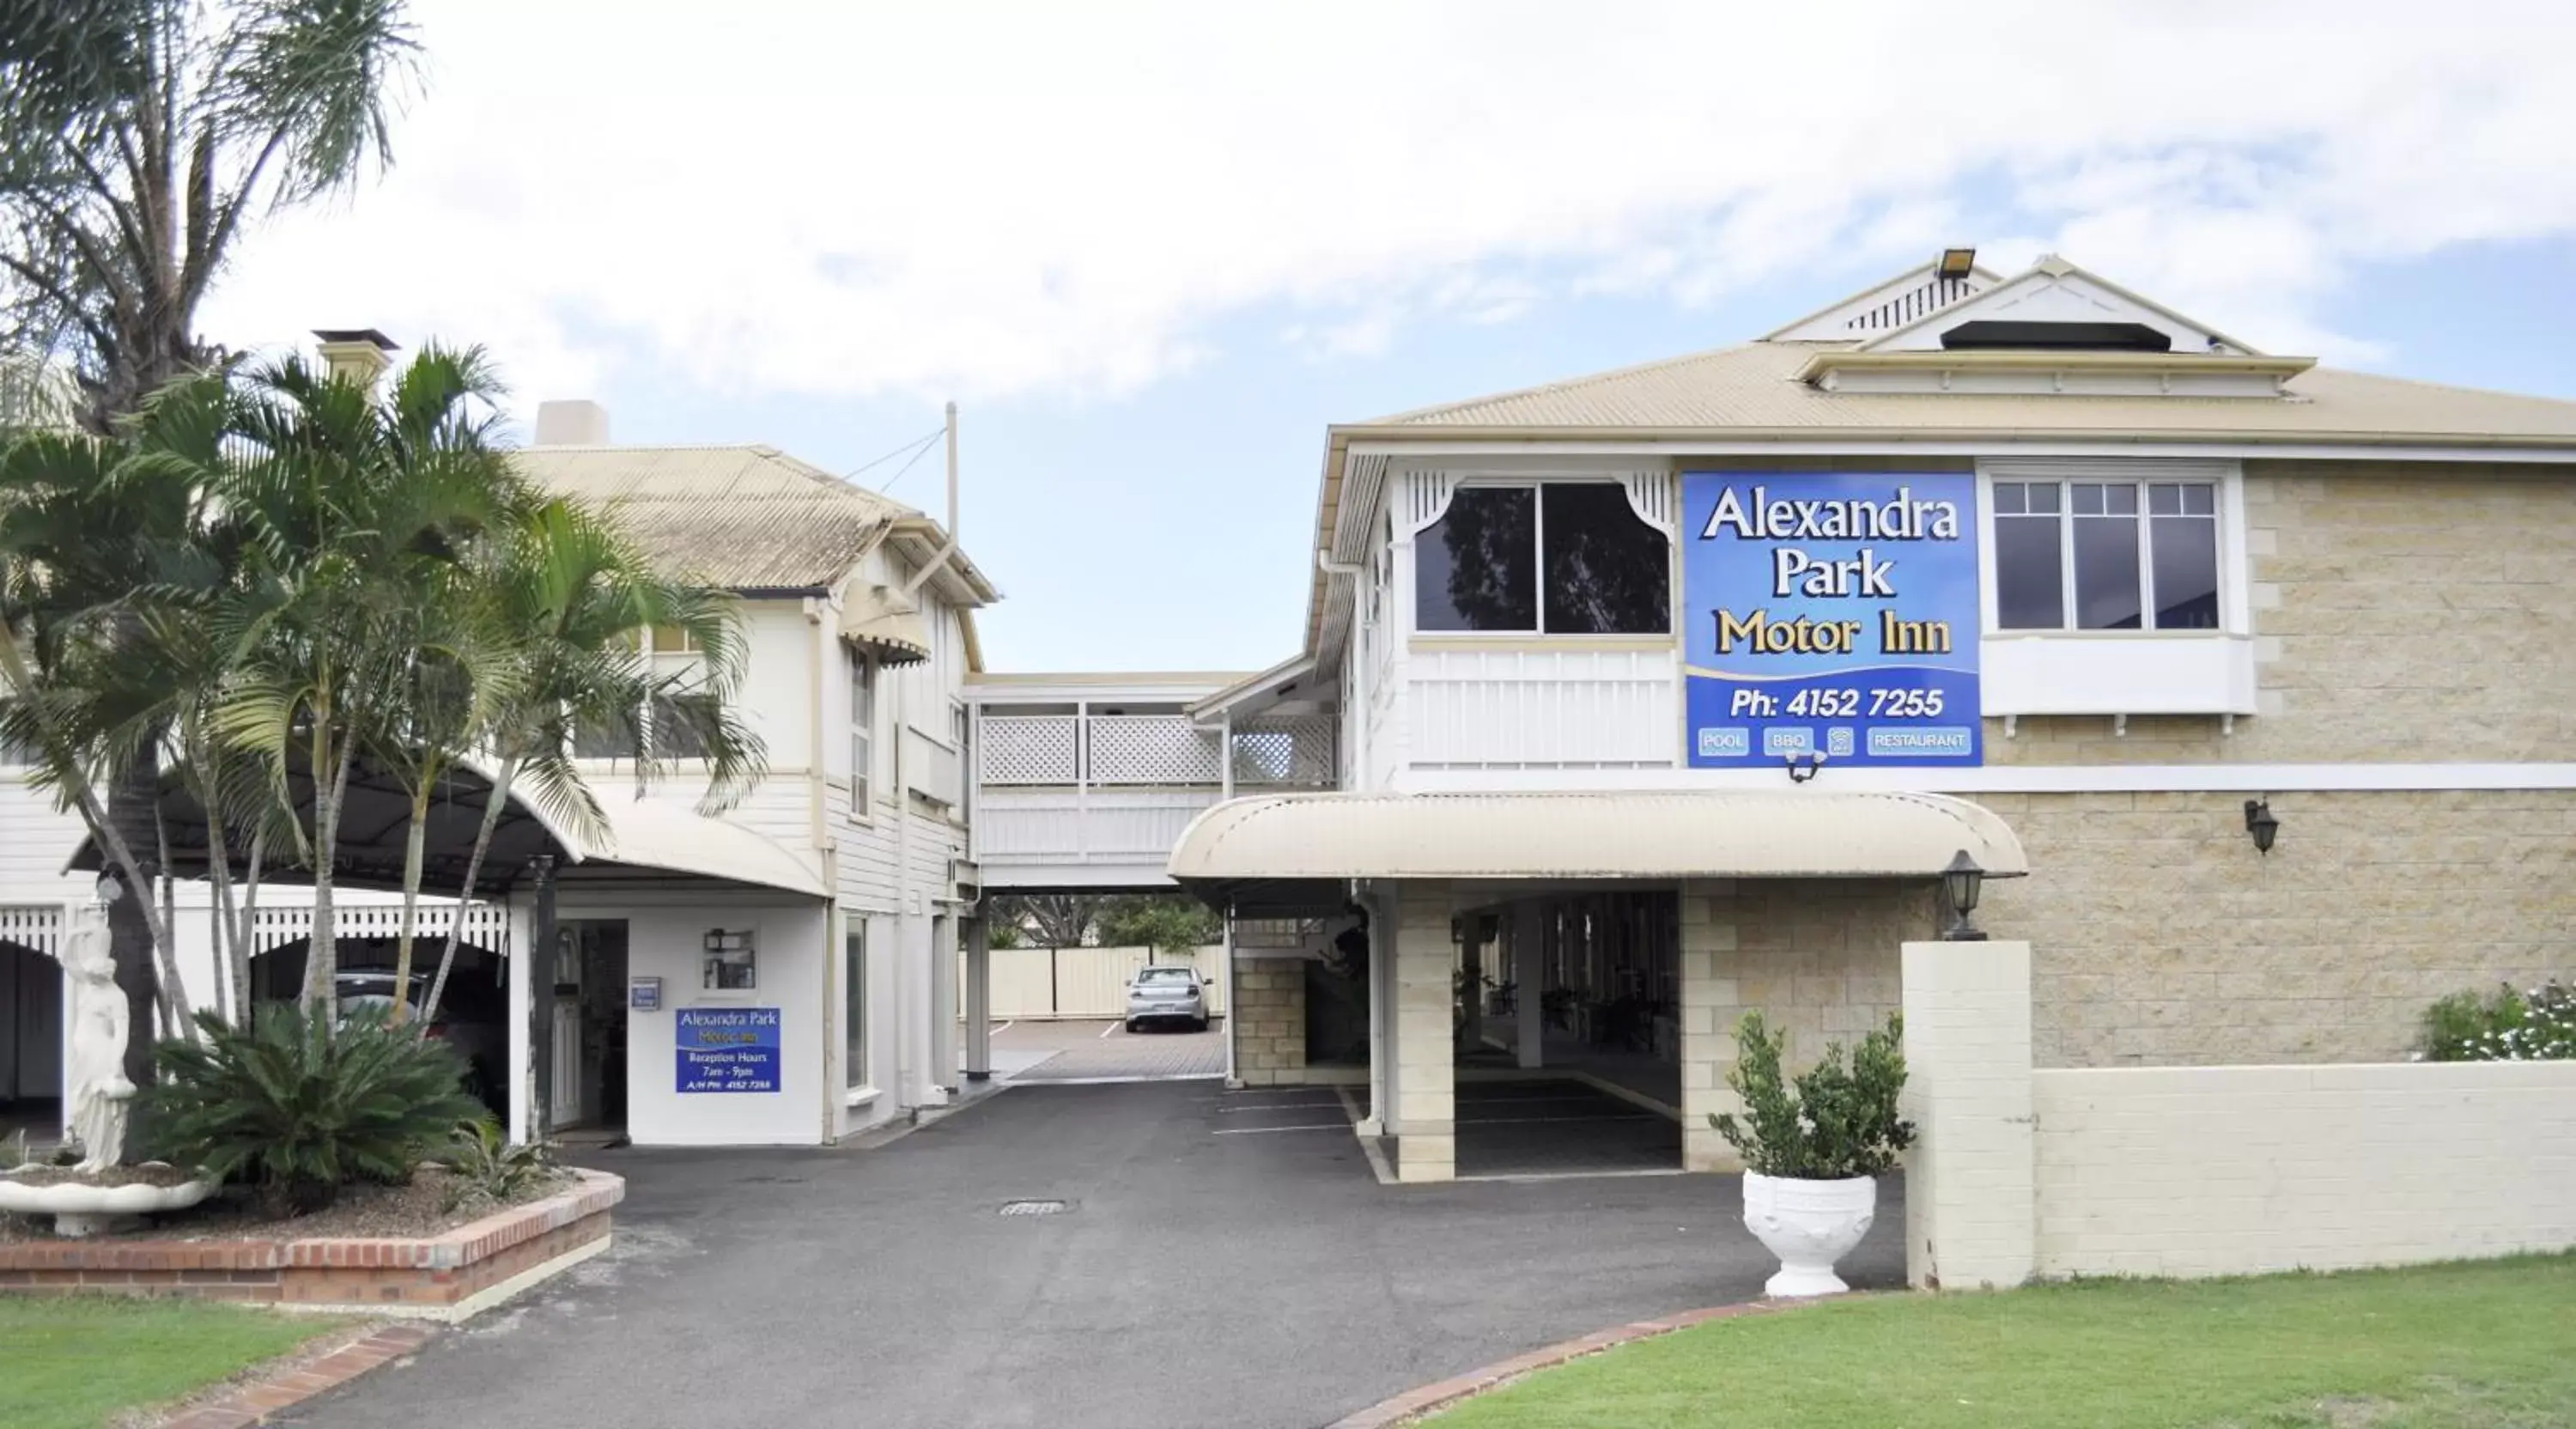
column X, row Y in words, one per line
column 1632, row 929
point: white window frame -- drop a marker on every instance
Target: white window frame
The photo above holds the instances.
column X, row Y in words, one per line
column 1536, row 484
column 859, row 674
column 2234, row 571
column 857, row 1073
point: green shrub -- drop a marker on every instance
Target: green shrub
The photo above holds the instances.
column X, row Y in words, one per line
column 487, row 1170
column 300, row 1108
column 1837, row 1120
column 2507, row 1025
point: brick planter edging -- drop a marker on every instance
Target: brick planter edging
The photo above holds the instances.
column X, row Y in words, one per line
column 294, row 1382
column 448, row 1275
column 1414, row 1403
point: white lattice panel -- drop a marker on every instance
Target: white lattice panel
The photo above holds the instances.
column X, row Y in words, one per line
column 1026, row 749
column 1151, row 749
column 1294, row 751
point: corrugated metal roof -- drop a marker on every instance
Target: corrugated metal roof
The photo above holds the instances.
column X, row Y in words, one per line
column 1733, row 833
column 1751, row 391
column 745, row 518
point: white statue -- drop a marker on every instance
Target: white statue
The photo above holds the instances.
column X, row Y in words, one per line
column 100, row 1096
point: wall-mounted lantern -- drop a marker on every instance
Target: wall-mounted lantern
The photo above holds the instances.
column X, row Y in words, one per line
column 1960, row 884
column 731, row 963
column 2260, row 823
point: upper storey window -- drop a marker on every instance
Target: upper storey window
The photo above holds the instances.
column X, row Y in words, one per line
column 1561, row 558
column 2106, row 555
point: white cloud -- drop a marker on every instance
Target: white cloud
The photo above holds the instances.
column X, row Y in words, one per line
column 1048, row 198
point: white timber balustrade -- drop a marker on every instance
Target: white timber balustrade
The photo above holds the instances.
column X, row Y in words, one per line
column 1087, row 799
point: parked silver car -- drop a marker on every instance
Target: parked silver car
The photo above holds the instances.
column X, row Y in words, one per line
column 1167, row 994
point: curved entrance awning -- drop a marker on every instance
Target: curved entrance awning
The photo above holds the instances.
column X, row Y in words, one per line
column 1313, row 839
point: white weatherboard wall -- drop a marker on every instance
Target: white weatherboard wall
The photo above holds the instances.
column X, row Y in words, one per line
column 2232, row 1170
column 668, row 943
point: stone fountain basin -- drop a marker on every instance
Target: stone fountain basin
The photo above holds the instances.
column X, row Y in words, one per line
column 80, row 1209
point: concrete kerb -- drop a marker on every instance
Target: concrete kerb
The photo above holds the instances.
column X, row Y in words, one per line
column 1412, row 1405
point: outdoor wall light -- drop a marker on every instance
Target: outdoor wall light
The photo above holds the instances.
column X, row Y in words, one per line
column 2260, row 823
column 1803, row 766
column 1957, row 262
column 1960, row 883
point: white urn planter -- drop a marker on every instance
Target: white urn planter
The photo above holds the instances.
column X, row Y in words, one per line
column 1809, row 1225
column 84, row 1210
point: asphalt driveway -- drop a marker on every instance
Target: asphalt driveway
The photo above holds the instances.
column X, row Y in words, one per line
column 1224, row 1259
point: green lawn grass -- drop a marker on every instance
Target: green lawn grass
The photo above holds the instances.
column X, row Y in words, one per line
column 2485, row 1345
column 70, row 1363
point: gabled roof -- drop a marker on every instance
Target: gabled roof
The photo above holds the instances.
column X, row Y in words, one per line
column 747, row 518
column 1752, row 393
column 2054, row 277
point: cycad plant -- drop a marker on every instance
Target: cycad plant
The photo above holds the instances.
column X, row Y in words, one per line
column 299, row 1105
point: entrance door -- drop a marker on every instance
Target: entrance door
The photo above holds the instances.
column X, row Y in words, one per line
column 590, row 1023
column 31, row 1038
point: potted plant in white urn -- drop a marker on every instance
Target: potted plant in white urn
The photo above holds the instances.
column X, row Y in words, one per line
column 1814, row 1150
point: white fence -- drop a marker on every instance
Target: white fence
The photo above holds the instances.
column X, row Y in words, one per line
column 2190, row 1171
column 1041, row 983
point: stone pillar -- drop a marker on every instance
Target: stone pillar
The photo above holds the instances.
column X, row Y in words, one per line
column 1529, row 969
column 1426, row 1128
column 1268, row 1020
column 1711, row 1004
column 1970, row 1211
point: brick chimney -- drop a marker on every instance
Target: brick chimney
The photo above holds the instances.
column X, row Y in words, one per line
column 571, row 424
column 358, row 355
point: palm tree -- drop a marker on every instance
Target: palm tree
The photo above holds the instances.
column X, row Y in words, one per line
column 102, row 544
column 357, row 514
column 582, row 604
column 137, row 139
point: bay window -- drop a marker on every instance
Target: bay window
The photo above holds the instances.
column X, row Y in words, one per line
column 1557, row 558
column 2106, row 555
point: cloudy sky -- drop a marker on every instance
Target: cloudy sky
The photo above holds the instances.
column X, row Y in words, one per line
column 1152, row 250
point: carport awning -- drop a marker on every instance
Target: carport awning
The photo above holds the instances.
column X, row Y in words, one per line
column 1313, row 839
column 645, row 841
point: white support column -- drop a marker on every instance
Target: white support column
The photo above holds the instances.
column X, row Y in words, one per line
column 979, row 1000
column 1381, row 1013
column 1529, row 969
column 522, row 937
column 1426, row 1126
column 1233, row 993
column 944, row 1009
column 1971, row 1215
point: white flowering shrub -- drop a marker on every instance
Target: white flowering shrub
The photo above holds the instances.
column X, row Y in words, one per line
column 2511, row 1025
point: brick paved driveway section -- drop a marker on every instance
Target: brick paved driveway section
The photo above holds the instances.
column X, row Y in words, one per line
column 1237, row 1238
column 1090, row 1051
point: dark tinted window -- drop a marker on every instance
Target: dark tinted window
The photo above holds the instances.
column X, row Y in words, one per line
column 677, row 721
column 1608, row 573
column 2030, row 559
column 1476, row 568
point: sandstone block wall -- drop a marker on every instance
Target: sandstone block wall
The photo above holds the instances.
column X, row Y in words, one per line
column 1269, row 1020
column 2160, row 937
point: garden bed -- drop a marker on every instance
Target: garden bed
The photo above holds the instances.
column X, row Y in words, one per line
column 385, row 1253
column 417, row 1208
